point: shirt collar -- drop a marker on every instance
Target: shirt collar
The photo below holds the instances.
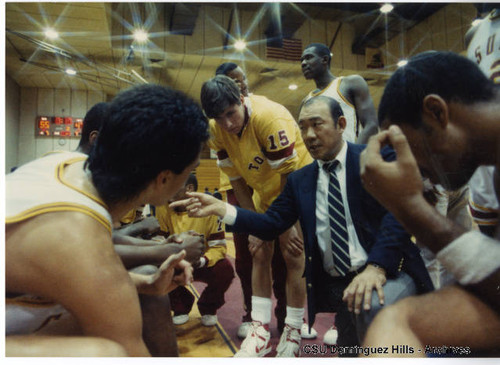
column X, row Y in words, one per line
column 341, row 156
column 248, row 105
column 248, row 113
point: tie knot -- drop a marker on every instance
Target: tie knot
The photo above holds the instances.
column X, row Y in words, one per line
column 330, row 166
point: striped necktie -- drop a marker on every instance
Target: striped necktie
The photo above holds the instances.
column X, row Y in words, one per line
column 338, row 226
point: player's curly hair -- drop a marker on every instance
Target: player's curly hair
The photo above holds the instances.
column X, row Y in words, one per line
column 148, row 129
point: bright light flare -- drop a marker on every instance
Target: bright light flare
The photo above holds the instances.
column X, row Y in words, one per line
column 292, row 87
column 402, row 63
column 140, row 35
column 240, row 45
column 51, row 33
column 386, row 8
column 70, row 71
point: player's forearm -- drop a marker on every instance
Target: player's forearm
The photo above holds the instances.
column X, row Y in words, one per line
column 133, row 256
column 427, row 225
column 369, row 130
column 120, row 239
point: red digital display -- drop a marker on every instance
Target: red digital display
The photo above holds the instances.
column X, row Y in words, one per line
column 43, row 123
column 78, row 124
column 51, row 126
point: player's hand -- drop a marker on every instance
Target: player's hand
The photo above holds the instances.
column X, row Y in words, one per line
column 174, row 271
column 397, row 185
column 201, row 205
column 194, row 247
column 179, row 237
column 358, row 293
column 292, row 241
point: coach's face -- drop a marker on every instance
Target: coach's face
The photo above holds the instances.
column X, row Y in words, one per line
column 321, row 136
column 232, row 119
column 440, row 146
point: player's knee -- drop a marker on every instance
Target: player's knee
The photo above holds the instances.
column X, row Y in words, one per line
column 293, row 262
column 263, row 256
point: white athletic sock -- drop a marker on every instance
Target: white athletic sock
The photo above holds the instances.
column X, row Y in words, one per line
column 261, row 309
column 294, row 317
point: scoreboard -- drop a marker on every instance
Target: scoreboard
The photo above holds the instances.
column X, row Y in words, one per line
column 58, row 127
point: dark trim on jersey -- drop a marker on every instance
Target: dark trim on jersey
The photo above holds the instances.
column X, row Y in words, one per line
column 482, row 215
column 278, row 155
column 216, row 236
column 222, row 155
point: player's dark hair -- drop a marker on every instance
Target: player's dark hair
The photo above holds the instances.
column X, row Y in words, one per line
column 92, row 122
column 149, row 129
column 321, row 50
column 225, row 68
column 217, row 94
column 449, row 75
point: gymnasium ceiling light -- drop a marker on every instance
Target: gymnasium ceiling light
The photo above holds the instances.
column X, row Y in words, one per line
column 140, row 35
column 240, row 45
column 386, row 8
column 70, row 71
column 402, row 63
column 51, row 33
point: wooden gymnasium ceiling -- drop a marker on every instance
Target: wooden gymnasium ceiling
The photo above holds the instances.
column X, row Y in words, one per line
column 187, row 42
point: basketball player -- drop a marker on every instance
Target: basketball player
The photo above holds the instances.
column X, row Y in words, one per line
column 59, row 212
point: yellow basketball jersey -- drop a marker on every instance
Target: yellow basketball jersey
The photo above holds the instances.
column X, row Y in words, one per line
column 211, row 227
column 270, row 145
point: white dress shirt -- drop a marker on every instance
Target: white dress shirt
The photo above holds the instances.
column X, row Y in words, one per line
column 356, row 252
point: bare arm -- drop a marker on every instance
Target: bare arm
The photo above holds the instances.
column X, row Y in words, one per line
column 156, row 253
column 52, row 256
column 357, row 90
column 147, row 226
column 398, row 186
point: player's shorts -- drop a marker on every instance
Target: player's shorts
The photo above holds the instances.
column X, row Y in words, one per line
column 25, row 314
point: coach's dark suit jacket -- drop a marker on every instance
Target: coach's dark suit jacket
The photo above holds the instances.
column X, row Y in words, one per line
column 383, row 238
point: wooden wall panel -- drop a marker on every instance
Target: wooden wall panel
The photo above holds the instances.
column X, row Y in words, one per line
column 194, row 43
column 349, row 60
column 11, row 131
column 207, row 174
column 419, row 38
column 454, row 38
column 337, row 50
column 438, row 30
column 213, row 37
